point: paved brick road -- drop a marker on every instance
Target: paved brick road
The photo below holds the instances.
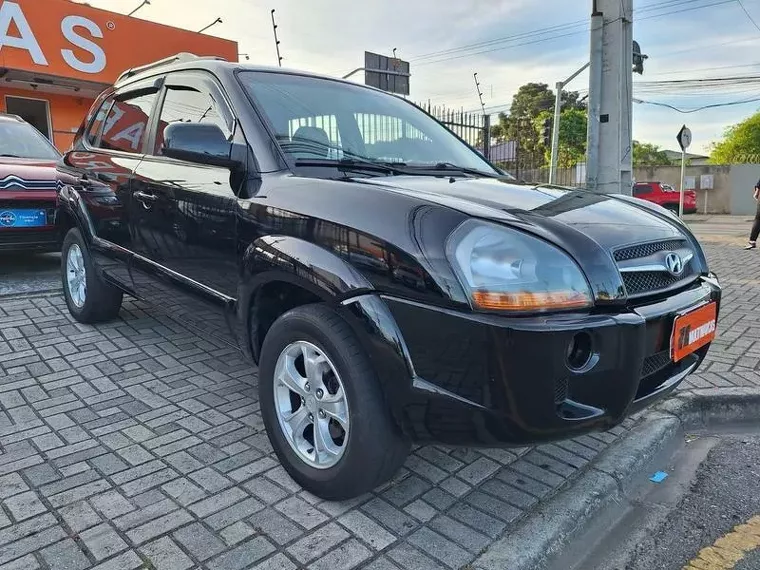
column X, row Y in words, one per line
column 138, row 444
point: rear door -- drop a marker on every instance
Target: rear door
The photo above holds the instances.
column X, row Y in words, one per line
column 184, row 214
column 101, row 169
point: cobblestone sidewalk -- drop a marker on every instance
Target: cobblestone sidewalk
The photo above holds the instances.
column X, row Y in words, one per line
column 137, row 444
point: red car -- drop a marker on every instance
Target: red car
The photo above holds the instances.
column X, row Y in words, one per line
column 666, row 196
column 27, row 188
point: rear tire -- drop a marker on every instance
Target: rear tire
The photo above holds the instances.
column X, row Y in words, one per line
column 89, row 298
column 361, row 456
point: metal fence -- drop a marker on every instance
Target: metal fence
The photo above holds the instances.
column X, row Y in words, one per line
column 531, row 167
column 473, row 128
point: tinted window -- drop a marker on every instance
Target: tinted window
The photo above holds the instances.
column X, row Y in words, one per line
column 22, row 140
column 189, row 105
column 125, row 128
column 97, row 124
column 355, row 122
column 642, row 189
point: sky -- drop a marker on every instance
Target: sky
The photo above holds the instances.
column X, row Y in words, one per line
column 684, row 39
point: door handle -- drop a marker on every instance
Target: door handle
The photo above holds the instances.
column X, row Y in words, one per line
column 146, row 199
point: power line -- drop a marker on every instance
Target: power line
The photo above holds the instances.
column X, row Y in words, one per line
column 540, row 35
column 703, row 108
column 559, row 27
column 751, row 19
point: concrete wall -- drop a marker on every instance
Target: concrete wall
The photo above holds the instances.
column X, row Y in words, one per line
column 719, row 199
column 743, row 180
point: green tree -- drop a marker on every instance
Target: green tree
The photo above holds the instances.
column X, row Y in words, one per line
column 532, row 103
column 740, row 144
column 646, row 154
column 572, row 136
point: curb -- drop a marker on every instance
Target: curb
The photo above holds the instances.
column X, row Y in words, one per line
column 547, row 529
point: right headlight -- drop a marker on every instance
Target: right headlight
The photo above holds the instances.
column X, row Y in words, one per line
column 506, row 270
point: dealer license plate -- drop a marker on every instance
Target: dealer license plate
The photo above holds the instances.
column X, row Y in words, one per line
column 22, row 218
column 693, row 330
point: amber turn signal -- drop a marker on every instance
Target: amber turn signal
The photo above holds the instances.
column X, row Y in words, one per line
column 555, row 300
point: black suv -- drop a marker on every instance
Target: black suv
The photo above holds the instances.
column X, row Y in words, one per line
column 391, row 284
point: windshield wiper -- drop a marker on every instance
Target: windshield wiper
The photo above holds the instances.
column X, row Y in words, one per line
column 10, row 156
column 450, row 167
column 351, row 164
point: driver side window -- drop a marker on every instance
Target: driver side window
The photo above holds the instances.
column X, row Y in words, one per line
column 189, row 105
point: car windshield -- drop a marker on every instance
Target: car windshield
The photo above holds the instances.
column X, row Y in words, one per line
column 322, row 119
column 22, row 140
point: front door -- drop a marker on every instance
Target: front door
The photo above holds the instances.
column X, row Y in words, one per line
column 183, row 216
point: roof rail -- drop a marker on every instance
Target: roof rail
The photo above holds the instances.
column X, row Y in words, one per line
column 177, row 58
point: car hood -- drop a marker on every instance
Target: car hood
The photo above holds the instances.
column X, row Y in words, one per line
column 27, row 174
column 608, row 221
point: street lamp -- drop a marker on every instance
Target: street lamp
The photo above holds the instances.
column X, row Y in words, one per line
column 214, row 23
column 144, row 2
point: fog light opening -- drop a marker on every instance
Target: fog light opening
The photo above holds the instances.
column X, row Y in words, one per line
column 579, row 351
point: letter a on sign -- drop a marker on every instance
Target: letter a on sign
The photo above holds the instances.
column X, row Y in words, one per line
column 11, row 13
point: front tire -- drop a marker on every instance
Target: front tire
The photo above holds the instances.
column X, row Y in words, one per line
column 89, row 298
column 322, row 406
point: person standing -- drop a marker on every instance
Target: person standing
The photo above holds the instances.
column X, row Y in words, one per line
column 756, row 224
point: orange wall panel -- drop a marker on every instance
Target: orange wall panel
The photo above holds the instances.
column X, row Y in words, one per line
column 66, row 113
column 68, row 39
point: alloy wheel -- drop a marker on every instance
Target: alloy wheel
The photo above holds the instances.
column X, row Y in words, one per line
column 311, row 405
column 76, row 275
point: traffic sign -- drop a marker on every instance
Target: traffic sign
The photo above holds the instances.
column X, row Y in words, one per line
column 684, row 138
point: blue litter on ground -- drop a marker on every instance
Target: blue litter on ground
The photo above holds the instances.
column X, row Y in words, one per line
column 658, row 477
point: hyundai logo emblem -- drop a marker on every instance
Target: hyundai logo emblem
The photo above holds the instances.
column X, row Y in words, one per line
column 674, row 264
column 7, row 219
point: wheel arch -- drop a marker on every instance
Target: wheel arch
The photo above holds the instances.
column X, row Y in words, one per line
column 280, row 273
column 70, row 213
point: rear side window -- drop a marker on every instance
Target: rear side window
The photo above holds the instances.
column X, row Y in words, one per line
column 126, row 125
column 96, row 126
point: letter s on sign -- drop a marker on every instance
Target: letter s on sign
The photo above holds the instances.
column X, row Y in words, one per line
column 68, row 26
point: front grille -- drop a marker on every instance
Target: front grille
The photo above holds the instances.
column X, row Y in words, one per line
column 647, row 249
column 653, row 364
column 640, row 279
column 651, row 281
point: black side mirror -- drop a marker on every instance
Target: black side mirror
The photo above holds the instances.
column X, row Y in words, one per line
column 202, row 143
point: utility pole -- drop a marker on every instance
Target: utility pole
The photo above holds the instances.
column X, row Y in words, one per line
column 610, row 128
column 560, row 86
column 276, row 40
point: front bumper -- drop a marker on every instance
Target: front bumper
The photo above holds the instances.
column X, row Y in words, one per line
column 490, row 380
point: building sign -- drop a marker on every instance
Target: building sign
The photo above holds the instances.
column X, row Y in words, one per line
column 386, row 73
column 706, row 181
column 73, row 40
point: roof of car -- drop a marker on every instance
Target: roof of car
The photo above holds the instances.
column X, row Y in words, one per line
column 190, row 61
column 8, row 117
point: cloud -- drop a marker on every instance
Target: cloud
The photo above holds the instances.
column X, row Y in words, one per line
column 331, row 36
